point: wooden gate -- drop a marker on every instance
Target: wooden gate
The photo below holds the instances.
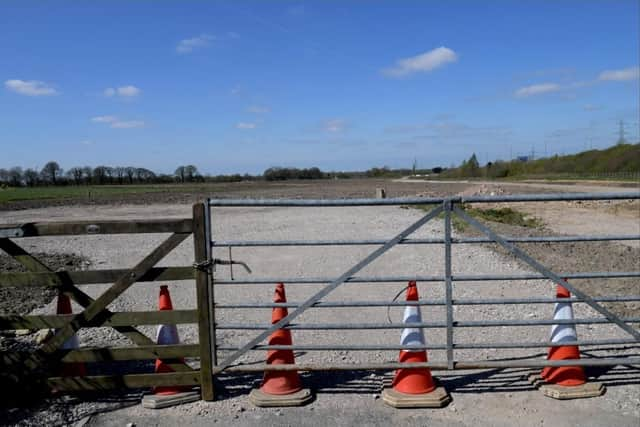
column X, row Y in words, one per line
column 49, row 355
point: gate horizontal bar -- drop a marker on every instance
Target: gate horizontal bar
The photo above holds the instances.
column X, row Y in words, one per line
column 456, row 278
column 32, row 229
column 460, row 301
column 513, row 239
column 423, row 200
column 92, row 277
column 436, row 365
column 128, row 318
column 106, row 382
column 366, row 347
column 102, row 354
column 456, row 323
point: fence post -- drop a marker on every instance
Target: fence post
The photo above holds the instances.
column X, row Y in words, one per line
column 448, row 282
column 202, row 250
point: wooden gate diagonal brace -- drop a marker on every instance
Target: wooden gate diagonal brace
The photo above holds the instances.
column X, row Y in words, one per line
column 327, row 289
column 519, row 253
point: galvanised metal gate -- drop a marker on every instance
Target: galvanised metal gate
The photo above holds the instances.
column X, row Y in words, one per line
column 447, row 206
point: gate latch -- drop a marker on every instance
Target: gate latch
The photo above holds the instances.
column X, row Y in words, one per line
column 208, row 265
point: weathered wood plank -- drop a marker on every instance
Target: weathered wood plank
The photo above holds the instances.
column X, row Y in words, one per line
column 182, row 225
column 132, row 353
column 106, row 382
column 202, row 248
column 55, row 279
column 134, row 318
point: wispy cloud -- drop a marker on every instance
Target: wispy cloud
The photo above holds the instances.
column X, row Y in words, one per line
column 625, row 74
column 334, row 125
column 425, row 62
column 30, row 87
column 591, row 107
column 198, row 42
column 116, row 123
column 245, row 125
column 123, row 91
column 258, row 109
column 537, row 89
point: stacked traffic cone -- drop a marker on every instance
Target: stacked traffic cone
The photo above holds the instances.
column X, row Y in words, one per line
column 414, row 388
column 280, row 388
column 164, row 396
column 69, row 369
column 565, row 382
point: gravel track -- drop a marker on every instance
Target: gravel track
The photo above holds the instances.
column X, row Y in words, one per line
column 489, row 397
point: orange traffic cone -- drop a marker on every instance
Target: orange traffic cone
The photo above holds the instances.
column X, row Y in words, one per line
column 166, row 335
column 413, row 381
column 565, row 382
column 69, row 369
column 164, row 396
column 563, row 375
column 280, row 388
column 414, row 388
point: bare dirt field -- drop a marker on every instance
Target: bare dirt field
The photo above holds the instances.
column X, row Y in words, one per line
column 484, row 397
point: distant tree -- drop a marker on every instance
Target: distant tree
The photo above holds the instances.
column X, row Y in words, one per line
column 4, row 176
column 437, row 169
column 76, row 173
column 88, row 174
column 31, row 177
column 100, row 174
column 50, row 172
column 181, row 173
column 119, row 172
column 144, row 175
column 190, row 172
column 130, row 171
column 109, row 174
column 15, row 176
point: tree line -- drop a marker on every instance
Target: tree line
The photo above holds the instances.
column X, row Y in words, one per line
column 53, row 174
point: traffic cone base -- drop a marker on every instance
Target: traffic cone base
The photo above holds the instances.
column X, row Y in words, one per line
column 266, row 400
column 590, row 389
column 437, row 398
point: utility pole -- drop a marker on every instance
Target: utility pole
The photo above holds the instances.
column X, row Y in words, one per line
column 621, row 139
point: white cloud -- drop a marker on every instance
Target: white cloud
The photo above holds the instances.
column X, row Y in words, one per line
column 86, row 142
column 104, row 119
column 334, row 125
column 424, row 62
column 245, row 125
column 537, row 89
column 258, row 109
column 123, row 91
column 30, row 87
column 189, row 45
column 127, row 124
column 625, row 74
column 116, row 123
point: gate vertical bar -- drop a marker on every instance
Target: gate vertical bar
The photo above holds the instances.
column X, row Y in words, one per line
column 448, row 281
column 212, row 307
column 201, row 244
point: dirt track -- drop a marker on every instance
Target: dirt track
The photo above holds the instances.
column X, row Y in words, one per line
column 481, row 398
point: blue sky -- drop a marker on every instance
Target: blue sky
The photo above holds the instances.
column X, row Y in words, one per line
column 242, row 86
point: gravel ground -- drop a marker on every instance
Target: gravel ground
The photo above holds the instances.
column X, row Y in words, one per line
column 488, row 397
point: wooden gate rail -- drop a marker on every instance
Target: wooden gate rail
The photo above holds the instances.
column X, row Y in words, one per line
column 96, row 314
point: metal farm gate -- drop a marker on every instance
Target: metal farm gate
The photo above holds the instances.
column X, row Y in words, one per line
column 446, row 207
column 51, row 352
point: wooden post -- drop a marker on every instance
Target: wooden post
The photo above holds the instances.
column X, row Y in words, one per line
column 202, row 248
